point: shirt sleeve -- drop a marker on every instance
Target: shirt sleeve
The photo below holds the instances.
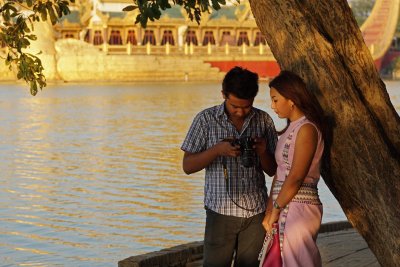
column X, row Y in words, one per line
column 196, row 137
column 272, row 136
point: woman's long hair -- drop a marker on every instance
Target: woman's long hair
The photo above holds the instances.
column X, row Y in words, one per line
column 292, row 87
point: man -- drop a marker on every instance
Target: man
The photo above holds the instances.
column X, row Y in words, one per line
column 235, row 192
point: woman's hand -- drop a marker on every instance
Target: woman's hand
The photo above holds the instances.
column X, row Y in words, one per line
column 269, row 219
column 265, row 222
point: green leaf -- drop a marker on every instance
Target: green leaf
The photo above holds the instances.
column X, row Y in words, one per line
column 164, row 4
column 26, row 28
column 12, row 8
column 215, row 4
column 191, row 3
column 6, row 15
column 149, row 13
column 65, row 10
column 34, row 88
column 31, row 37
column 156, row 11
column 24, row 43
column 43, row 15
column 52, row 14
column 58, row 11
column 9, row 59
column 143, row 20
column 197, row 15
column 129, row 8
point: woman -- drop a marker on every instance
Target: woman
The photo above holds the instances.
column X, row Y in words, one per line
column 295, row 203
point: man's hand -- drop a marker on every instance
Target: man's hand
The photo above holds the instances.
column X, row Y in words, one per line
column 260, row 146
column 194, row 162
column 225, row 148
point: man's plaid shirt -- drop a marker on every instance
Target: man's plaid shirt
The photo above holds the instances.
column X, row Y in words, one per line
column 247, row 185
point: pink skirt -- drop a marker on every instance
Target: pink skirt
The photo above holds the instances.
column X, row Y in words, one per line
column 299, row 248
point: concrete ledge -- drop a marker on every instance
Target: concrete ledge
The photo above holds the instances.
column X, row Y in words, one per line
column 176, row 256
column 334, row 226
column 180, row 256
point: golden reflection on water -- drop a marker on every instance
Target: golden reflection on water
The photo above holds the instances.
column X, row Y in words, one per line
column 35, row 251
column 102, row 167
column 92, row 174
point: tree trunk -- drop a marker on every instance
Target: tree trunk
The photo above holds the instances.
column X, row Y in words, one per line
column 320, row 40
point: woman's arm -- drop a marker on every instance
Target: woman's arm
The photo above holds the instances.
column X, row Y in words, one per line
column 268, row 209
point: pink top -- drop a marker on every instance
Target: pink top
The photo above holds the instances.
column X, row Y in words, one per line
column 313, row 174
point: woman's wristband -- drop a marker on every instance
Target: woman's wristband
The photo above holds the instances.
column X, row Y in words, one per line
column 276, row 205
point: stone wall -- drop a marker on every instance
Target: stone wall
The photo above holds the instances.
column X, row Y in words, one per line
column 77, row 61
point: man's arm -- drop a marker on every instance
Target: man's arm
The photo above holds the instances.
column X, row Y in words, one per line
column 194, row 162
column 268, row 163
column 267, row 156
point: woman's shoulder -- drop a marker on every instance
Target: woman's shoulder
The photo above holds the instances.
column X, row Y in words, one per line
column 307, row 132
column 308, row 128
column 305, row 123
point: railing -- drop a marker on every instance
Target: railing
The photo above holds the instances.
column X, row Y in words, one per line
column 208, row 52
column 188, row 50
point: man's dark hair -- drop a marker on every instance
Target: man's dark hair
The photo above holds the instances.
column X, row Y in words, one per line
column 240, row 82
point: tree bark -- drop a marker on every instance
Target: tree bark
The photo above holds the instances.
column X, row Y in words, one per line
column 320, row 40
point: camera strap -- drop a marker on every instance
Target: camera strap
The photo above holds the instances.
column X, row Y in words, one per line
column 224, row 164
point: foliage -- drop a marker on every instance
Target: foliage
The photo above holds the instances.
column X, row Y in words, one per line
column 151, row 9
column 361, row 9
column 17, row 17
column 16, row 26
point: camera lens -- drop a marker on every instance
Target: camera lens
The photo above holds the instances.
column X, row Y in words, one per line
column 248, row 155
column 248, row 158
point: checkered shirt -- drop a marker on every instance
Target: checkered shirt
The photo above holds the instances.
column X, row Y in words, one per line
column 247, row 185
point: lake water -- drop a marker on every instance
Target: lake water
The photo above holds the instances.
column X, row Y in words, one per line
column 91, row 174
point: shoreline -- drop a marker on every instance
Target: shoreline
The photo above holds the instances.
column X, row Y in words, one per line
column 186, row 254
column 140, row 81
column 262, row 80
column 51, row 84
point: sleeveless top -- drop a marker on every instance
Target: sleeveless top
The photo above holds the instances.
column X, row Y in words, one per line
column 285, row 150
column 308, row 192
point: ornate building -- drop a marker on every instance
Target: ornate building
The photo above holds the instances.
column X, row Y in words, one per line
column 100, row 22
column 223, row 38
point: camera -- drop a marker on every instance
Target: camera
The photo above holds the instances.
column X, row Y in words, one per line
column 246, row 149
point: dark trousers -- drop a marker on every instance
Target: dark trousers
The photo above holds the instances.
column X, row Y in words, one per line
column 225, row 235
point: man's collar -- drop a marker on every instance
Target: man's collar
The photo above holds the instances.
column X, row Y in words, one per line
column 221, row 110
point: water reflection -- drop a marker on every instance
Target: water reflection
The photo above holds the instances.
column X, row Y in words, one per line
column 92, row 174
